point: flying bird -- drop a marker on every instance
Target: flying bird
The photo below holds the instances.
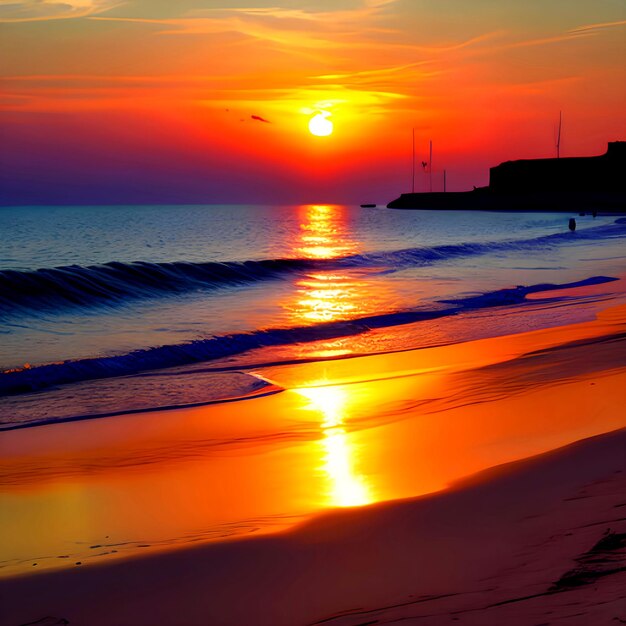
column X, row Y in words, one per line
column 258, row 118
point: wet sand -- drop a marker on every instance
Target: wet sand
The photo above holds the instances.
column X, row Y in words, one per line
column 484, row 482
column 517, row 545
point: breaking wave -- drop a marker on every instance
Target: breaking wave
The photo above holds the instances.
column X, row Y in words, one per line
column 115, row 283
column 201, row 350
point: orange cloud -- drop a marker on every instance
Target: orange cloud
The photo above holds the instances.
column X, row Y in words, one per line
column 35, row 10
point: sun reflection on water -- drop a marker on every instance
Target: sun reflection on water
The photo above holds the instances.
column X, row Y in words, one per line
column 333, row 291
column 323, row 234
column 326, row 295
column 347, row 488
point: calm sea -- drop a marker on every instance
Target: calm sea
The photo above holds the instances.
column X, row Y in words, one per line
column 189, row 295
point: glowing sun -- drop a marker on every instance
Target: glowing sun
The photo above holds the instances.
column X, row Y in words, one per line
column 320, row 125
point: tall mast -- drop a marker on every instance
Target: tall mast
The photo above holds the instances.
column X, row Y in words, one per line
column 430, row 166
column 558, row 137
column 413, row 164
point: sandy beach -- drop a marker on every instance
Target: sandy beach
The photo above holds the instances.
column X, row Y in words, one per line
column 538, row 541
column 479, row 483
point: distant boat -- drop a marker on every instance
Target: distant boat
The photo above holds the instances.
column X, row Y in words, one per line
column 368, row 206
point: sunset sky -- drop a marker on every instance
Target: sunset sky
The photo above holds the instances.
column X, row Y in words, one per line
column 208, row 101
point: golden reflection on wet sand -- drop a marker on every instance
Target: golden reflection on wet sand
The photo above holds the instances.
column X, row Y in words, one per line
column 340, row 454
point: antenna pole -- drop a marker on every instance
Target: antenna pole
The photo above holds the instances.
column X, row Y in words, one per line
column 444, row 181
column 558, row 137
column 430, row 166
column 413, row 165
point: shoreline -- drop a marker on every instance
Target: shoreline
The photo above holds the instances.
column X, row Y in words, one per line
column 519, row 300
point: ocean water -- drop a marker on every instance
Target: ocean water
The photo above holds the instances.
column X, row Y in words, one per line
column 107, row 309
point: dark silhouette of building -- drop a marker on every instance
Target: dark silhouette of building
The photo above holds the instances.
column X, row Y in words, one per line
column 570, row 184
column 605, row 173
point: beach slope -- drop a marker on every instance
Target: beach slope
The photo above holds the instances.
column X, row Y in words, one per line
column 544, row 536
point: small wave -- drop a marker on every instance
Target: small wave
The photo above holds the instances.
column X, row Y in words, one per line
column 202, row 350
column 438, row 254
column 131, row 394
column 115, row 283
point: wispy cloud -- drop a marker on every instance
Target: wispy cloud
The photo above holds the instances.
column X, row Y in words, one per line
column 336, row 17
column 542, row 41
column 370, row 65
column 595, row 27
column 578, row 32
column 357, row 54
column 34, row 10
column 255, row 29
column 380, row 72
column 293, row 27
